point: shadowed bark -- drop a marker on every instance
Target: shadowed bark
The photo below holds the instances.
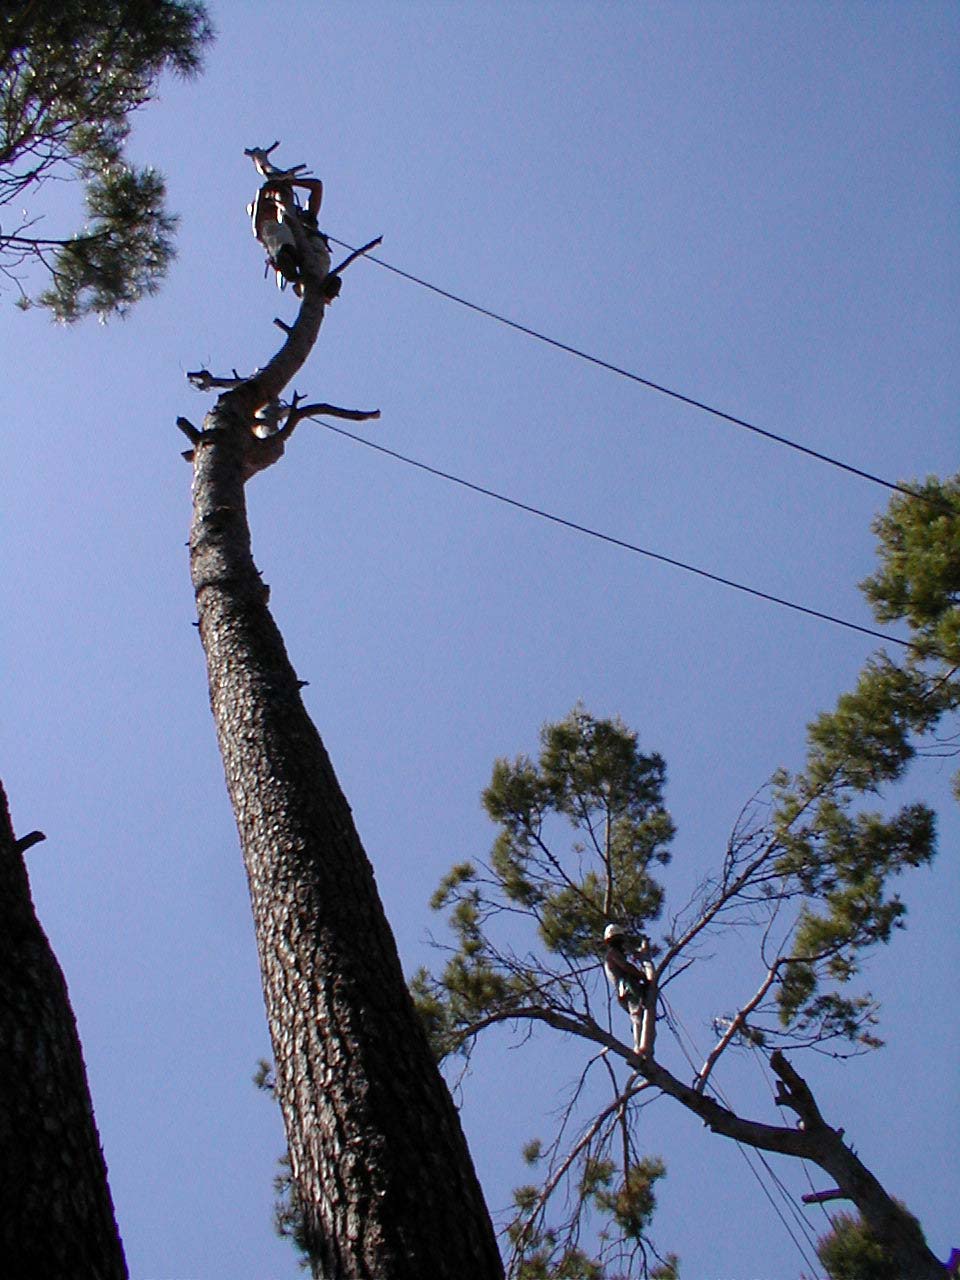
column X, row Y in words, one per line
column 56, row 1214
column 381, row 1165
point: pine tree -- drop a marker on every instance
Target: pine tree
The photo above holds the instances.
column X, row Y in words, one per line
column 849, row 1251
column 898, row 704
column 72, row 73
column 582, row 838
column 384, row 1184
column 57, row 1219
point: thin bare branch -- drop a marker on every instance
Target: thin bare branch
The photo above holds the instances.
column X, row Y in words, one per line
column 357, row 253
column 204, row 380
column 736, row 1026
column 332, row 411
column 582, row 1144
column 28, row 841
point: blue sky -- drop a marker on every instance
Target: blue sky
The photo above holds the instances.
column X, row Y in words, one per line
column 753, row 203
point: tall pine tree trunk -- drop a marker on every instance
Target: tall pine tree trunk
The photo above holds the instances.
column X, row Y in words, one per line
column 381, row 1166
column 56, row 1214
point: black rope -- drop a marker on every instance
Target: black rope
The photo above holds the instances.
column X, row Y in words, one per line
column 619, row 542
column 653, row 386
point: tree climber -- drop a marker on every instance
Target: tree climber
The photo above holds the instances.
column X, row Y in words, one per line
column 633, row 984
column 271, row 212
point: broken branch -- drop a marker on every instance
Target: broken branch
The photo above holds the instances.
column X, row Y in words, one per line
column 820, row 1197
column 204, row 380
column 265, row 166
column 794, row 1092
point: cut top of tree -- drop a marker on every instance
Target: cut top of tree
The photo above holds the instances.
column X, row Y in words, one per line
column 383, row 1178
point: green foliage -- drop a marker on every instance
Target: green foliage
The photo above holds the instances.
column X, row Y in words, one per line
column 72, row 73
column 845, row 862
column 850, row 1252
column 547, row 1261
column 868, row 733
column 919, row 575
column 668, row 1269
column 581, row 831
column 543, row 1253
column 871, row 731
column 288, row 1217
column 533, row 1151
column 624, row 1204
column 591, row 777
column 124, row 254
column 438, row 1009
column 631, row 1204
column 592, row 773
column 264, row 1078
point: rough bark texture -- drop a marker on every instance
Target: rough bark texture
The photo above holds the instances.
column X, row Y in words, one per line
column 56, row 1214
column 376, row 1148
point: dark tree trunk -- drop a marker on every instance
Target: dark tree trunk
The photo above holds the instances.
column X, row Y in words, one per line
column 380, row 1162
column 56, row 1215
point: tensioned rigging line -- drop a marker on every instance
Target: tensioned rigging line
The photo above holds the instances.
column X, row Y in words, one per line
column 762, row 1067
column 798, row 1217
column 617, row 542
column 646, row 382
column 675, row 1025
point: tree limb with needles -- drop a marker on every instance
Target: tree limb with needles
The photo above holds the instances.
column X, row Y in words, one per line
column 582, row 845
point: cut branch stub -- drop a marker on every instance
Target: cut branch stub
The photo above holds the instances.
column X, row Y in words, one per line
column 188, row 429
column 28, row 841
column 821, row 1197
column 265, row 166
column 794, row 1092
